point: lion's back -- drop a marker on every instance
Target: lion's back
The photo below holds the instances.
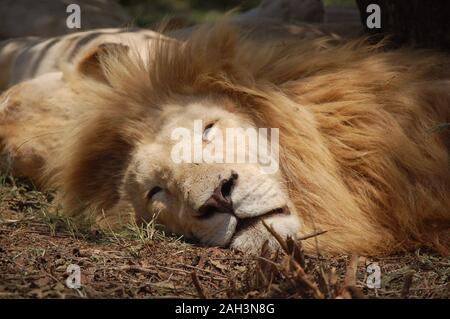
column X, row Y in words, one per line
column 26, row 58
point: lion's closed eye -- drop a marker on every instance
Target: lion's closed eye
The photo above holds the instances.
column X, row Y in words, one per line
column 155, row 190
column 208, row 133
column 157, row 200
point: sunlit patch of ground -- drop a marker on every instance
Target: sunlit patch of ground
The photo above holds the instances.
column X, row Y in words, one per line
column 36, row 248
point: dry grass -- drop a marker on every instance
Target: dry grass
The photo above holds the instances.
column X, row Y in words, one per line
column 37, row 245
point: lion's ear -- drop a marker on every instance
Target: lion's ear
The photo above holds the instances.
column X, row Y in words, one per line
column 90, row 65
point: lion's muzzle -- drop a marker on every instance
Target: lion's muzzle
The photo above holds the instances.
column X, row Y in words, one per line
column 220, row 200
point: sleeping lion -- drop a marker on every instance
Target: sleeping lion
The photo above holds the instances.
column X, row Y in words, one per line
column 363, row 146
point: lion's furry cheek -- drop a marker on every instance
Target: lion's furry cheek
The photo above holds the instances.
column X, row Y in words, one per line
column 256, row 195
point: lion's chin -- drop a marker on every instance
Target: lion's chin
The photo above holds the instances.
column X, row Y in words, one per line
column 251, row 234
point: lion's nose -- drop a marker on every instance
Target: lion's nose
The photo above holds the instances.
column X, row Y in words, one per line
column 220, row 200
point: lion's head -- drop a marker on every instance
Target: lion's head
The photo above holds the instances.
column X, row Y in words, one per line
column 120, row 141
column 217, row 203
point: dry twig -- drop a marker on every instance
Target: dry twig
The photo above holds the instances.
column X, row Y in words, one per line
column 350, row 275
column 198, row 286
column 407, row 285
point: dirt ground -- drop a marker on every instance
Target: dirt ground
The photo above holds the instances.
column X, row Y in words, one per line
column 37, row 247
